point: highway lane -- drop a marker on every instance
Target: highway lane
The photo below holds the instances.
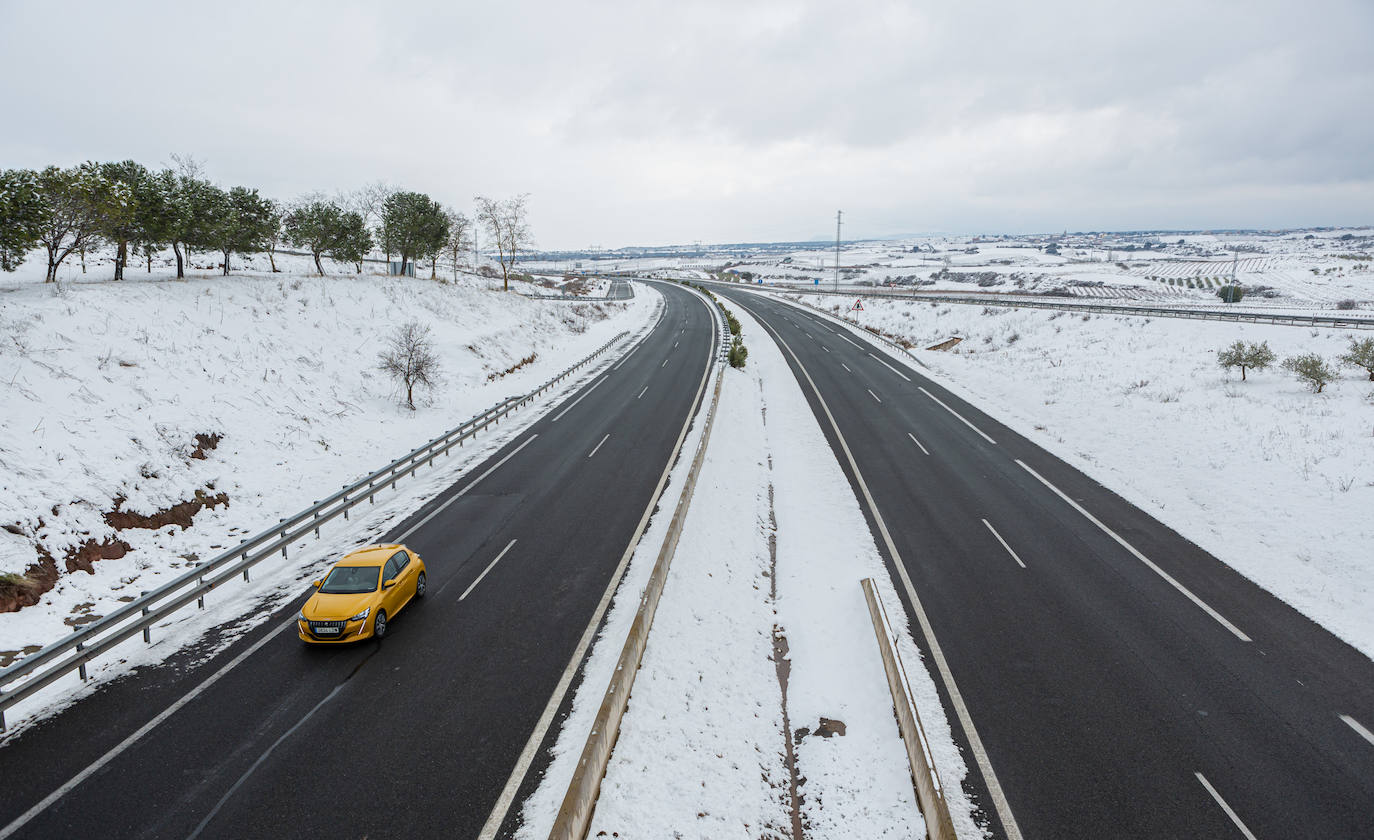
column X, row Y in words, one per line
column 418, row 735
column 1116, row 695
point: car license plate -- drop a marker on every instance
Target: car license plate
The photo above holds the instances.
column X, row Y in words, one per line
column 326, row 631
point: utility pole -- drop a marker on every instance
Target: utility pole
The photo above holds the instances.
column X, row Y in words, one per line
column 838, row 214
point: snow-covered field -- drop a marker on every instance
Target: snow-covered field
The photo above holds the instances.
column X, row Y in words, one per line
column 106, row 386
column 1274, row 480
column 703, row 747
column 1292, row 268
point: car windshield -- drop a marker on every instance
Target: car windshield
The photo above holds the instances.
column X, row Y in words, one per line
column 350, row 580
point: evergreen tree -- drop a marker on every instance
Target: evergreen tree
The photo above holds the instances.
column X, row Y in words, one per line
column 243, row 224
column 22, row 214
column 317, row 227
column 413, row 224
column 71, row 217
column 122, row 188
column 197, row 204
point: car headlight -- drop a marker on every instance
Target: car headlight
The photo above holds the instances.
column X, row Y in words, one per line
column 362, row 616
column 300, row 616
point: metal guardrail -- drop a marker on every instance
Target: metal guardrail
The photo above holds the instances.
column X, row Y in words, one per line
column 1249, row 316
column 929, row 794
column 574, row 817
column 98, row 637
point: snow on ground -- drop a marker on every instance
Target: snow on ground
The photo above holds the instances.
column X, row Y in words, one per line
column 106, row 386
column 1274, row 480
column 702, row 750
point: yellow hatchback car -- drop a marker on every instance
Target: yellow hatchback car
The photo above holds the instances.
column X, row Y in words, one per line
column 361, row 594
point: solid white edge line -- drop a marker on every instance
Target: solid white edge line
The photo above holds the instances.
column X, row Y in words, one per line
column 1141, row 557
column 490, row 566
column 456, row 496
column 917, row 442
column 1359, row 728
column 114, row 751
column 541, row 728
column 937, row 653
column 889, row 367
column 957, row 414
column 598, row 446
column 584, row 395
column 1013, row 554
column 1227, row 808
column 873, row 395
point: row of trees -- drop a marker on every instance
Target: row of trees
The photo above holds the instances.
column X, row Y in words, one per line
column 131, row 208
column 1311, row 368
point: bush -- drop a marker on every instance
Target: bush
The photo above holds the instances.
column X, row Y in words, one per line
column 1361, row 355
column 738, row 353
column 1346, row 304
column 1231, row 293
column 1246, row 356
column 1312, row 370
column 732, row 321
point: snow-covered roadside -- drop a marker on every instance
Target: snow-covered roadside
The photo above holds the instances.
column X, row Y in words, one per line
column 1275, row 481
column 327, row 419
column 702, row 750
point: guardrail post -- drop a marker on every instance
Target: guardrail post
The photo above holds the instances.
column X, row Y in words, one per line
column 200, row 602
column 80, row 646
column 317, row 519
column 147, row 632
column 245, row 557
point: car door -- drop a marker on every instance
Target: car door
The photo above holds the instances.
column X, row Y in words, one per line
column 395, row 570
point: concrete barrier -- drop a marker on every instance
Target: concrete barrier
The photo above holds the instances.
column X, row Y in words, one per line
column 929, row 793
column 575, row 815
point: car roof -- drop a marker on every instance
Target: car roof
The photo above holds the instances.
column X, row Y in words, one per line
column 368, row 555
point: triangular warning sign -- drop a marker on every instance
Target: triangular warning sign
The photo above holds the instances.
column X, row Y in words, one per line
column 858, row 306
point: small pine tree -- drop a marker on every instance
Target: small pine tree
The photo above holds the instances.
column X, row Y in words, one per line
column 1231, row 293
column 1246, row 357
column 1312, row 370
column 1360, row 354
column 738, row 353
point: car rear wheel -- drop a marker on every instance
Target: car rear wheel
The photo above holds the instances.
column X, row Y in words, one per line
column 379, row 624
column 420, row 585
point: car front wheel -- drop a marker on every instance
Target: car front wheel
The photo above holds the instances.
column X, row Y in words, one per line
column 420, row 585
column 379, row 625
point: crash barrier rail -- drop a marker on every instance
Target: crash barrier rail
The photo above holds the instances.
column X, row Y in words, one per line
column 929, row 794
column 575, row 814
column 1249, row 316
column 83, row 645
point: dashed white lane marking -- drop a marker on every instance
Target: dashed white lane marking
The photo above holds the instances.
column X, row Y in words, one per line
column 1358, row 727
column 1227, row 808
column 1141, row 557
column 665, row 362
column 873, row 395
column 845, row 366
column 560, row 414
column 917, row 442
column 826, row 349
column 889, row 367
column 808, row 335
column 675, row 344
column 957, row 414
column 598, row 446
column 1004, row 544
column 641, row 393
column 490, row 566
column 851, row 341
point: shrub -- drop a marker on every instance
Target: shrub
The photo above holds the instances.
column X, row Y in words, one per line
column 1312, row 370
column 1361, row 355
column 1231, row 293
column 1346, row 304
column 738, row 353
column 1246, row 356
column 732, row 321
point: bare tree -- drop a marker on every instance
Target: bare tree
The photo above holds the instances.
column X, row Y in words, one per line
column 508, row 229
column 368, row 201
column 459, row 236
column 188, row 166
column 409, row 358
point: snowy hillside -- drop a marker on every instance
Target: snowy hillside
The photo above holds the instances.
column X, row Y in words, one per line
column 127, row 406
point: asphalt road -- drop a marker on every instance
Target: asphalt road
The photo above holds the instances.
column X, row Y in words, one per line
column 1112, row 701
column 418, row 735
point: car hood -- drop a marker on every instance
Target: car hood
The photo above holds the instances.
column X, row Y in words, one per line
column 326, row 607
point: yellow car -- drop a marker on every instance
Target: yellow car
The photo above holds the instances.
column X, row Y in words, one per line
column 361, row 594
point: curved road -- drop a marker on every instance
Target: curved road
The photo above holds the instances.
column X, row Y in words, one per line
column 419, row 735
column 1122, row 682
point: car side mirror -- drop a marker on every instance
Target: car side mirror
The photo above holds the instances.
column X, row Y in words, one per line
column 316, row 583
column 389, row 584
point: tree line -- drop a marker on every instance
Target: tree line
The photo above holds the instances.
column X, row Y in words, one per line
column 139, row 211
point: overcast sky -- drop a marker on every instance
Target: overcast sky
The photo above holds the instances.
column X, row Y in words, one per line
column 646, row 122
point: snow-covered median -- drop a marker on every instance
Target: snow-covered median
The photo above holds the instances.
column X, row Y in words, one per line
column 1274, row 480
column 107, row 385
column 770, row 561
